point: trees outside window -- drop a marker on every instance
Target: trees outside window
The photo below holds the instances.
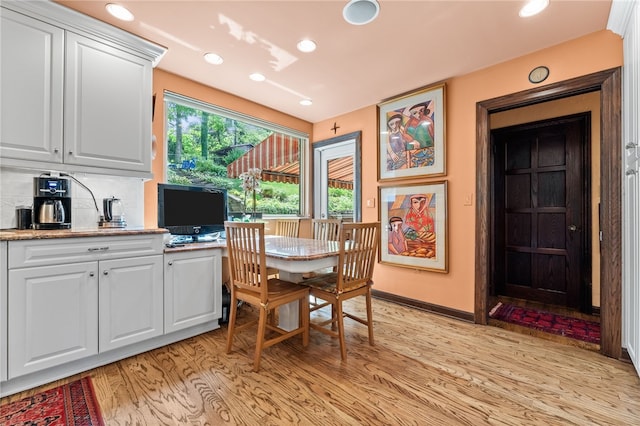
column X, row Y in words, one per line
column 207, row 145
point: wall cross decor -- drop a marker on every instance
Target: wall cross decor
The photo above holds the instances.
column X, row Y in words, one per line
column 335, row 128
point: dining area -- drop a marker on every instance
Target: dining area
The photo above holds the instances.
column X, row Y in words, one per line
column 286, row 279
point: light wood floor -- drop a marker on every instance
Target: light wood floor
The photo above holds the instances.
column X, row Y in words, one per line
column 425, row 369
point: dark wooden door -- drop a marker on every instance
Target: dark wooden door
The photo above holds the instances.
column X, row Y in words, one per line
column 541, row 194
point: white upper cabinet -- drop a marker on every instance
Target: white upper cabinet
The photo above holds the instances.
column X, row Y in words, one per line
column 76, row 93
column 31, row 72
column 107, row 108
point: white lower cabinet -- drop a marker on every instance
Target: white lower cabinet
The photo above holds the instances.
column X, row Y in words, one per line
column 193, row 288
column 71, row 304
column 52, row 316
column 72, row 298
column 131, row 302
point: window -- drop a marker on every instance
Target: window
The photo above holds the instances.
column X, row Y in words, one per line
column 210, row 145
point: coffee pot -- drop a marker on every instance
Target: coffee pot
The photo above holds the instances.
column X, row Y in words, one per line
column 113, row 213
column 51, row 211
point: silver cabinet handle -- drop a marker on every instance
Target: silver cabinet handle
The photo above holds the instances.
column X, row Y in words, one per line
column 170, row 263
column 99, row 248
column 572, row 228
column 105, row 272
column 56, row 150
column 91, row 274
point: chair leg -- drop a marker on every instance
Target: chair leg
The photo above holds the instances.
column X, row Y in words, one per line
column 262, row 328
column 304, row 318
column 333, row 317
column 369, row 316
column 340, row 321
column 232, row 322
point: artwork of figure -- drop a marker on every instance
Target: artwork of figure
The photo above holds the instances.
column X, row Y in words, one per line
column 398, row 142
column 419, row 125
column 410, row 137
column 397, row 241
column 412, row 229
column 418, row 217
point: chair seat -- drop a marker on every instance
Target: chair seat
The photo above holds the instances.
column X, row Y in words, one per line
column 328, row 283
column 276, row 288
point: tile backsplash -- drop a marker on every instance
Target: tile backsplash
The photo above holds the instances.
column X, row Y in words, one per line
column 16, row 189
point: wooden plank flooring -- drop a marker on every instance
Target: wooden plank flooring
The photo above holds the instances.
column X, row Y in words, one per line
column 425, row 369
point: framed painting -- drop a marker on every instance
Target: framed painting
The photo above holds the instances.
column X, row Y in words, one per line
column 414, row 223
column 411, row 131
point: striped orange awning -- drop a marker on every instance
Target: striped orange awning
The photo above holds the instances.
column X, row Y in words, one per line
column 278, row 156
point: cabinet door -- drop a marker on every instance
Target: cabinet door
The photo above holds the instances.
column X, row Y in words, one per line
column 193, row 288
column 31, row 76
column 53, row 313
column 130, row 301
column 107, row 113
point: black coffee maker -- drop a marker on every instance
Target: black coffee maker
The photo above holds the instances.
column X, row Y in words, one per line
column 51, row 203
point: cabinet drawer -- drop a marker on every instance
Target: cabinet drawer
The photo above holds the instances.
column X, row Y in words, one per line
column 70, row 250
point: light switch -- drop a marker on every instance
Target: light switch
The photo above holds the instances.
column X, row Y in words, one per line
column 371, row 202
column 468, row 200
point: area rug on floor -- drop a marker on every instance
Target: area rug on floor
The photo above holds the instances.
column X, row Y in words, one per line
column 587, row 331
column 73, row 404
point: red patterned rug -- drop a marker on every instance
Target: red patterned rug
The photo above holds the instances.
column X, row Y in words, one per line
column 73, row 404
column 587, row 331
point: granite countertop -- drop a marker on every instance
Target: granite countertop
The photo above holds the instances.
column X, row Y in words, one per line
column 33, row 234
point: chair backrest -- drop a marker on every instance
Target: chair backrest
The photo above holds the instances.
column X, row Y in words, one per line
column 358, row 254
column 287, row 227
column 245, row 251
column 326, row 229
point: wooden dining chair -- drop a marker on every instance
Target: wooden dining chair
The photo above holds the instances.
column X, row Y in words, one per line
column 358, row 255
column 287, row 227
column 326, row 229
column 249, row 283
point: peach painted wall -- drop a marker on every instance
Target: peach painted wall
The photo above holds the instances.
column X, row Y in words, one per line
column 455, row 289
column 162, row 81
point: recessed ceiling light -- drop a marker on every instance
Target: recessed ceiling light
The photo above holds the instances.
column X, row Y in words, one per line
column 306, row 102
column 214, row 59
column 256, row 76
column 360, row 12
column 119, row 12
column 533, row 7
column 306, row 45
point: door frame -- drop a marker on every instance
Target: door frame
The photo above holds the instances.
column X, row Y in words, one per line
column 356, row 137
column 608, row 83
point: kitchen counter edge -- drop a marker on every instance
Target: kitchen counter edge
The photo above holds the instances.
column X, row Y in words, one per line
column 32, row 234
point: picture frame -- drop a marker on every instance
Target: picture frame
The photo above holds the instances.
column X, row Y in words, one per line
column 411, row 135
column 414, row 226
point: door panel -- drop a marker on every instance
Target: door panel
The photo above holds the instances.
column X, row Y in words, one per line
column 539, row 211
column 337, row 164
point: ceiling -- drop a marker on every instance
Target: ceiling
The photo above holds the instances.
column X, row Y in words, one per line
column 411, row 44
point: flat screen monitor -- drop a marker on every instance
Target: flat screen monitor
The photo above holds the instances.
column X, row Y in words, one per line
column 191, row 209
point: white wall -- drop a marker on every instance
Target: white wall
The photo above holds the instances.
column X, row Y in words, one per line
column 16, row 188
